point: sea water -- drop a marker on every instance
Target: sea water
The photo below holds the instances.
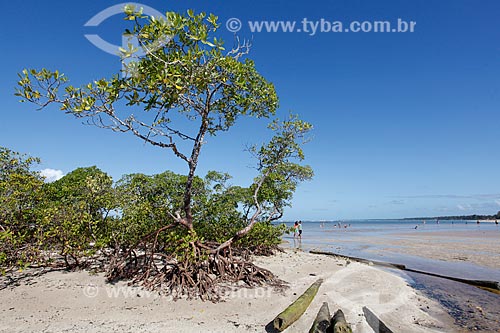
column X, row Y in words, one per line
column 369, row 239
column 473, row 308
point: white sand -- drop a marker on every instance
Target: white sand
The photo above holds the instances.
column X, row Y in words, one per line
column 79, row 302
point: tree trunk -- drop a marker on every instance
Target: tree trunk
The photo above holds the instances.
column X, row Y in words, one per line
column 376, row 324
column 339, row 324
column 253, row 219
column 322, row 321
column 193, row 163
column 187, row 197
column 297, row 308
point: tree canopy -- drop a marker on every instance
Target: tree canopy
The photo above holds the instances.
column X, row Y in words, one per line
column 185, row 74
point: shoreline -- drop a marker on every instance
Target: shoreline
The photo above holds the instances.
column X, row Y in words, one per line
column 476, row 247
column 469, row 250
column 463, row 251
column 79, row 302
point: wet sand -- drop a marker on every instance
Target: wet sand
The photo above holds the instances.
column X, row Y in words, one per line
column 477, row 247
column 470, row 254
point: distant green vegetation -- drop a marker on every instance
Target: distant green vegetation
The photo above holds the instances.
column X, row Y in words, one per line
column 460, row 217
column 471, row 217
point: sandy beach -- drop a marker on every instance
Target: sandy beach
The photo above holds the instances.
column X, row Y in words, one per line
column 79, row 302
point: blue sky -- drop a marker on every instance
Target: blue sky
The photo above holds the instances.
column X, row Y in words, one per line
column 406, row 124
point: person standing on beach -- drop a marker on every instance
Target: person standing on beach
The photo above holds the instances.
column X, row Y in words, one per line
column 299, row 227
column 295, row 229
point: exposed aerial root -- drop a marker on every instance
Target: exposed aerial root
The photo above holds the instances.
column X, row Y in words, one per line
column 203, row 276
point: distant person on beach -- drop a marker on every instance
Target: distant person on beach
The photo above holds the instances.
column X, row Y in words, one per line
column 295, row 229
column 299, row 227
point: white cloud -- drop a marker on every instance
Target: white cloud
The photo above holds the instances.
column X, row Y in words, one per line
column 51, row 175
column 497, row 201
